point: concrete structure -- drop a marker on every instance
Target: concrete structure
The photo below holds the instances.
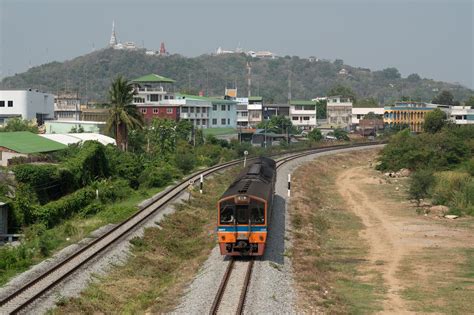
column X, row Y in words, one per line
column 461, row 115
column 67, row 106
column 208, row 112
column 339, row 111
column 94, row 114
column 255, row 113
column 63, row 126
column 358, row 113
column 242, row 111
column 410, row 114
column 270, row 110
column 26, row 104
column 3, row 218
column 303, row 114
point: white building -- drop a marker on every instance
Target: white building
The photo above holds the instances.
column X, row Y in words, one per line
column 339, row 111
column 242, row 111
column 26, row 104
column 358, row 113
column 67, row 106
column 303, row 114
column 461, row 115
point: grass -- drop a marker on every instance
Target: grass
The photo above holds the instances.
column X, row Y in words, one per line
column 40, row 243
column 444, row 280
column 160, row 263
column 219, row 131
column 331, row 272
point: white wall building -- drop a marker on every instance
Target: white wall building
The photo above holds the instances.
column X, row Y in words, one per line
column 242, row 111
column 26, row 104
column 303, row 114
column 461, row 115
column 358, row 113
column 67, row 106
column 339, row 111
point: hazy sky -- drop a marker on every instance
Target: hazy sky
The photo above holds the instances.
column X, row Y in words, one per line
column 432, row 38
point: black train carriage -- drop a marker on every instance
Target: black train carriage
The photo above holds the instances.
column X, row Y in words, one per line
column 244, row 210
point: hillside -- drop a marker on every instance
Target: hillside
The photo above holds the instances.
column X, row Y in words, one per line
column 91, row 75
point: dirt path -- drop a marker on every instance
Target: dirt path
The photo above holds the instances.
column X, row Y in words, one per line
column 390, row 233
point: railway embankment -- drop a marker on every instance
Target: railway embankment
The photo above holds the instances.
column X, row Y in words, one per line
column 360, row 246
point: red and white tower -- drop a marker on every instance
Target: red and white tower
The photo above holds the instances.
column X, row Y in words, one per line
column 162, row 49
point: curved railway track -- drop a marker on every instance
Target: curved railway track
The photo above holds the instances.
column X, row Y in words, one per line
column 28, row 293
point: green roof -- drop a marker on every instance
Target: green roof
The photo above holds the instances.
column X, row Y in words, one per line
column 27, row 142
column 302, row 102
column 255, row 98
column 213, row 100
column 153, row 78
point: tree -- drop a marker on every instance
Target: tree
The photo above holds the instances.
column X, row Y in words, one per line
column 420, row 183
column 340, row 134
column 343, row 91
column 321, row 109
column 391, row 73
column 470, row 102
column 277, row 124
column 184, row 129
column 339, row 63
column 162, row 136
column 17, row 124
column 123, row 115
column 434, row 121
column 367, row 102
column 414, row 77
column 372, row 115
column 444, row 98
column 315, row 135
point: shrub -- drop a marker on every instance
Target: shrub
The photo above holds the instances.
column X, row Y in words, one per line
column 159, row 176
column 186, row 162
column 420, row 183
column 111, row 191
column 89, row 164
column 447, row 184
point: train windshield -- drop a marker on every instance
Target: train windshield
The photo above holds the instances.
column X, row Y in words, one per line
column 231, row 213
column 227, row 213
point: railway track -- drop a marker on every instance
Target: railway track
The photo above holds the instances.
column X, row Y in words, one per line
column 28, row 293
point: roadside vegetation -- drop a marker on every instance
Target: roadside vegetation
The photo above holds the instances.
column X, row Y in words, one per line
column 442, row 159
column 161, row 263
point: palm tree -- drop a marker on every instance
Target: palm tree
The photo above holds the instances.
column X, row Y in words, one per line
column 123, row 115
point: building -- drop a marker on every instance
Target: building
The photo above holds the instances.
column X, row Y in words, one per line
column 68, row 126
column 261, row 54
column 359, row 113
column 94, row 114
column 24, row 143
column 370, row 127
column 77, row 138
column 26, row 104
column 411, row 114
column 208, row 112
column 255, row 113
column 266, row 139
column 242, row 111
column 339, row 111
column 303, row 114
column 154, row 97
column 461, row 115
column 67, row 106
column 3, row 218
column 271, row 110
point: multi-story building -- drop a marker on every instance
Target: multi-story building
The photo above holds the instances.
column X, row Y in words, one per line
column 254, row 107
column 67, row 106
column 339, row 111
column 26, row 104
column 153, row 97
column 303, row 114
column 242, row 111
column 271, row 110
column 410, row 114
column 223, row 113
column 359, row 113
column 461, row 115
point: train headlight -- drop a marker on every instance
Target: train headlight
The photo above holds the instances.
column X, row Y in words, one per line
column 261, row 238
column 223, row 237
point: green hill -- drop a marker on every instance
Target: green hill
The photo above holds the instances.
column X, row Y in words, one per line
column 91, row 75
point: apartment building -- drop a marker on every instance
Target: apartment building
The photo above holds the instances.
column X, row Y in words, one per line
column 411, row 114
column 339, row 111
column 358, row 113
column 26, row 104
column 67, row 106
column 303, row 114
column 255, row 113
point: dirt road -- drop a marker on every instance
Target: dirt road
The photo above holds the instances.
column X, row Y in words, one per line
column 394, row 232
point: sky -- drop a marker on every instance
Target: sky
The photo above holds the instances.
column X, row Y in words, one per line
column 433, row 38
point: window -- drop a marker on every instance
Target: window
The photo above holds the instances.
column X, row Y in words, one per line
column 223, row 121
column 138, row 100
column 204, row 110
column 223, row 107
column 143, row 110
column 227, row 214
column 198, row 110
column 255, row 114
column 2, row 103
column 191, row 109
column 10, row 103
column 228, row 121
column 228, row 107
column 184, row 110
column 214, row 121
column 294, row 118
column 214, row 107
column 155, row 110
column 298, row 107
column 154, row 97
column 244, row 114
column 169, row 110
column 305, row 118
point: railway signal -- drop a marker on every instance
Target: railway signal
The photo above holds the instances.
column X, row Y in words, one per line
column 245, row 156
column 289, row 185
column 200, row 184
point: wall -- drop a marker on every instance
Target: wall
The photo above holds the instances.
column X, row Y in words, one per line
column 229, row 114
column 27, row 103
column 66, row 126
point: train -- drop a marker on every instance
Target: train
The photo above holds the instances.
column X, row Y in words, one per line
column 244, row 210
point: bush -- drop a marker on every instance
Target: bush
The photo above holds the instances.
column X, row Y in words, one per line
column 420, row 183
column 159, row 176
column 111, row 191
column 125, row 165
column 315, row 135
column 89, row 164
column 56, row 211
column 451, row 188
column 186, row 162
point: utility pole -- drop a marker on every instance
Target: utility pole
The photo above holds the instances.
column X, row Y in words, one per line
column 249, row 78
column 289, row 86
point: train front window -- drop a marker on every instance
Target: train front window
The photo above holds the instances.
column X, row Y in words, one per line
column 227, row 214
column 242, row 214
column 257, row 212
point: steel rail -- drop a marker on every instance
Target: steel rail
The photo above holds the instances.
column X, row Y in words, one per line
column 222, row 287
column 29, row 292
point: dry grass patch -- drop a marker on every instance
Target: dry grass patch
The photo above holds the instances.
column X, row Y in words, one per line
column 161, row 263
column 331, row 271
